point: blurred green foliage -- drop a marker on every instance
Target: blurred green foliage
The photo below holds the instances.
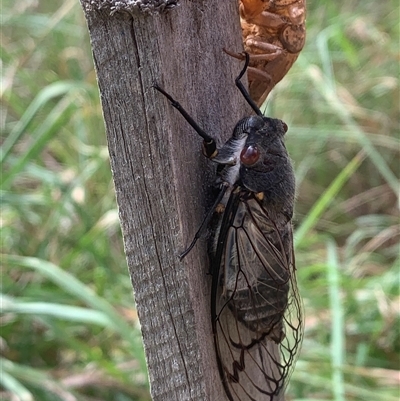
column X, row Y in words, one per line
column 68, row 327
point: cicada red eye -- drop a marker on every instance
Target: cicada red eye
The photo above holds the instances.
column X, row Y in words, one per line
column 249, row 155
column 285, row 127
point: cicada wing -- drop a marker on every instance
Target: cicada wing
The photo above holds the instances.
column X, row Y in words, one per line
column 257, row 312
column 249, row 364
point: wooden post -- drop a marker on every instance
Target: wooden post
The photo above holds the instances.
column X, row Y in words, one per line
column 160, row 176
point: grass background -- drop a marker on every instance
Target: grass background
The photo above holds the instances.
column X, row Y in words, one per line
column 69, row 330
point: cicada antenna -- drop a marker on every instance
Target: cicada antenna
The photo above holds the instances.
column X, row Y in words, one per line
column 241, row 87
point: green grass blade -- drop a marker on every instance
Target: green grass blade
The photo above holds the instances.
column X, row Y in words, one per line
column 49, row 128
column 358, row 392
column 14, row 386
column 73, row 286
column 46, row 95
column 337, row 328
column 60, row 311
column 38, row 379
column 325, row 88
column 324, row 201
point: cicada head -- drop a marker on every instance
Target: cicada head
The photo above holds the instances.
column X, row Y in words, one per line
column 265, row 165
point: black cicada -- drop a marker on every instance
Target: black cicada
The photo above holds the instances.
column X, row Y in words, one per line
column 256, row 309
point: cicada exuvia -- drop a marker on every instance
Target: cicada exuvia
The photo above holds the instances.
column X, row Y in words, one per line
column 274, row 34
column 256, row 309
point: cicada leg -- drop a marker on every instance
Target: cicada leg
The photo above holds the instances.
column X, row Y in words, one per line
column 263, row 81
column 216, row 208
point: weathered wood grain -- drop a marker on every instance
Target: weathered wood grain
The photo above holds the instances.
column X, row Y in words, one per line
column 160, row 176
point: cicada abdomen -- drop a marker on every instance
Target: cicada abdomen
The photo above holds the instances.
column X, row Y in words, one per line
column 273, row 34
column 256, row 310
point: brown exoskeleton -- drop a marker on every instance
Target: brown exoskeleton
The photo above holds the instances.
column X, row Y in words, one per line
column 273, row 34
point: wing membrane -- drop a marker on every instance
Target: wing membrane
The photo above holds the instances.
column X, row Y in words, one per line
column 256, row 309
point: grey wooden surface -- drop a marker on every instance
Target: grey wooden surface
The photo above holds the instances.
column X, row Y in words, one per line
column 161, row 178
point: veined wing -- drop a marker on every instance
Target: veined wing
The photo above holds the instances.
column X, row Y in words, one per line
column 256, row 308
